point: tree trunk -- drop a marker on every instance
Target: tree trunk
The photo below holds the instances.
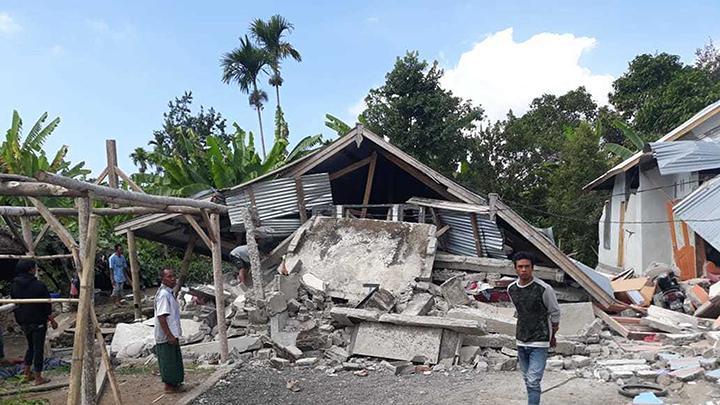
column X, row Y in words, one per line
column 262, row 134
column 277, row 95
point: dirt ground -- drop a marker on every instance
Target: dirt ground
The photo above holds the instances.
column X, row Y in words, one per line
column 248, row 385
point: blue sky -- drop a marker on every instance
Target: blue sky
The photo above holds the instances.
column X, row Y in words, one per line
column 108, row 69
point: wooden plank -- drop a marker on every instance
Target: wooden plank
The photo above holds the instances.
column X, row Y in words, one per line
column 106, row 363
column 350, row 168
column 491, row 265
column 35, row 189
column 62, row 233
column 611, row 322
column 208, row 225
column 440, row 232
column 218, row 283
column 135, row 272
column 15, row 211
column 476, row 234
column 369, row 183
column 185, row 263
column 300, row 199
column 449, row 205
column 12, row 227
column 102, row 175
column 34, row 257
column 111, row 154
column 41, row 235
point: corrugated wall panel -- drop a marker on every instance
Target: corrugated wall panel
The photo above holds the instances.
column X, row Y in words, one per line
column 460, row 239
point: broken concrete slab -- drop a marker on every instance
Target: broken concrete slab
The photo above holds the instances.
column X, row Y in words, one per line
column 132, row 340
column 466, row 326
column 450, row 347
column 400, row 367
column 279, row 363
column 350, row 316
column 575, row 317
column 289, row 285
column 337, row 354
column 313, row 284
column 348, row 253
column 398, row 342
column 660, row 325
column 381, row 299
column 453, row 291
column 713, row 375
column 678, row 364
column 468, row 353
column 275, row 303
column 494, row 341
column 496, row 319
column 240, row 344
column 419, row 305
column 687, row 374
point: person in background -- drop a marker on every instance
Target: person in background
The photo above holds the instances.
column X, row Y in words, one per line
column 118, row 269
column 167, row 334
column 538, row 320
column 32, row 318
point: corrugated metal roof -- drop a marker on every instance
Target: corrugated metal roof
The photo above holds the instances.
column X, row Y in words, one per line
column 460, row 239
column 701, row 211
column 278, row 198
column 686, row 156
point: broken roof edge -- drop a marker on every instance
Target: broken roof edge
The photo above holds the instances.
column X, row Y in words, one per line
column 454, row 206
column 682, row 129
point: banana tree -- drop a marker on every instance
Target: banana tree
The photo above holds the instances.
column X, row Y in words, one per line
column 630, row 135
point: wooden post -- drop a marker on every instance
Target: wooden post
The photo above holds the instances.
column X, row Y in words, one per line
column 300, row 199
column 476, row 234
column 106, row 359
column 59, row 230
column 368, row 183
column 254, row 253
column 185, row 264
column 135, row 272
column 89, row 371
column 81, row 323
column 26, row 227
column 493, row 197
column 111, row 152
column 218, row 283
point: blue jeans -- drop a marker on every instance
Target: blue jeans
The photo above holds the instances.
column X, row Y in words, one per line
column 532, row 364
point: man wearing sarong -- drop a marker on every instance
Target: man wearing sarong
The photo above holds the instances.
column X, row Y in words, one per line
column 167, row 334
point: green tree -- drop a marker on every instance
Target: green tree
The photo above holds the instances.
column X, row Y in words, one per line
column 659, row 92
column 421, row 117
column 243, row 66
column 336, row 124
column 271, row 36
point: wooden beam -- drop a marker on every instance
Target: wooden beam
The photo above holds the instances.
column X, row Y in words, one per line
column 111, row 153
column 350, row 168
column 34, row 257
column 106, row 361
column 103, row 193
column 4, row 301
column 35, row 189
column 200, row 232
column 13, row 228
column 490, row 265
column 476, row 234
column 369, row 182
column 102, row 175
column 208, row 225
column 185, row 264
column 437, row 187
column 62, row 233
column 300, row 199
column 440, row 232
column 41, row 235
column 135, row 272
column 87, row 244
column 128, row 180
column 26, row 228
column 218, row 284
column 610, row 322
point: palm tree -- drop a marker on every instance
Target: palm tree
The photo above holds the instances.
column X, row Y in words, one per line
column 270, row 35
column 243, row 66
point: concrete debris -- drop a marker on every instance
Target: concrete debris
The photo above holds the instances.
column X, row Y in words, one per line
column 454, row 292
column 275, row 303
column 496, row 319
column 419, row 305
column 574, row 318
column 381, row 299
column 132, row 340
column 398, row 342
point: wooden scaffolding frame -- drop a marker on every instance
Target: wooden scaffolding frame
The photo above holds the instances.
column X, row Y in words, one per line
column 82, row 251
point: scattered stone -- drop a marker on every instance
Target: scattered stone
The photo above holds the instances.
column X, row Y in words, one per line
column 289, row 285
column 420, row 304
column 313, row 284
column 306, row 362
column 468, row 353
column 581, row 361
column 257, row 315
column 293, row 385
column 555, row 364
column 682, row 339
column 279, row 363
column 438, row 368
column 293, row 307
column 509, row 352
column 708, row 363
column 687, row 374
column 713, row 375
column 679, row 364
column 381, row 299
column 496, row 319
column 349, row 366
column 454, row 292
column 400, row 367
column 275, row 303
column 647, row 375
column 494, row 341
column 337, row 354
column 361, row 373
column 575, row 318
column 481, row 366
column 565, row 347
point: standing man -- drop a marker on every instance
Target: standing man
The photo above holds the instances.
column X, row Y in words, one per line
column 118, row 266
column 32, row 318
column 167, row 334
column 538, row 320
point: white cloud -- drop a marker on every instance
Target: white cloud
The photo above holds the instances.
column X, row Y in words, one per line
column 8, row 25
column 354, row 110
column 57, row 50
column 502, row 74
column 103, row 30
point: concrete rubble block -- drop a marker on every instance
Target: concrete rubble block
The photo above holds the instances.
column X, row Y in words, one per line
column 454, row 292
column 132, row 340
column 581, row 361
column 293, row 306
column 306, row 362
column 337, row 354
column 647, row 375
column 575, row 317
column 264, row 354
column 257, row 315
column 496, row 319
column 449, row 347
column 279, row 363
column 290, row 352
column 708, row 363
column 313, row 284
column 620, row 362
column 509, row 352
column 275, row 303
column 400, row 367
column 465, row 326
column 687, row 374
column 494, row 341
column 349, row 366
column 468, row 353
column 382, row 300
column 240, row 344
column 419, row 305
column 350, row 316
column 555, row 364
column 679, row 364
column 397, row 342
column 565, row 347
column 278, row 322
column 682, row 339
column 289, row 285
column 713, row 375
column 666, row 357
column 481, row 366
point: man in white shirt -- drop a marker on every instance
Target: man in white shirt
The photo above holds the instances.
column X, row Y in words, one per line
column 167, row 334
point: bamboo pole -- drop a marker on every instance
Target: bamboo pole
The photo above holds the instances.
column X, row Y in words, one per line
column 41, row 235
column 82, row 314
column 254, row 253
column 35, row 189
column 135, row 271
column 65, row 236
column 4, row 301
column 185, row 264
column 89, row 371
column 102, row 192
column 106, row 358
column 34, row 257
column 200, row 232
column 218, row 283
column 14, row 211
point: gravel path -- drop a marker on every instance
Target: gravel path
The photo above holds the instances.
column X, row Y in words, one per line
column 262, row 385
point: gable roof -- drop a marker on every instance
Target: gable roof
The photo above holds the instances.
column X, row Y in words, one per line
column 677, row 133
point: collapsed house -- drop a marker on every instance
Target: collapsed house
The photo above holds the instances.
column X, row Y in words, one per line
column 662, row 198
